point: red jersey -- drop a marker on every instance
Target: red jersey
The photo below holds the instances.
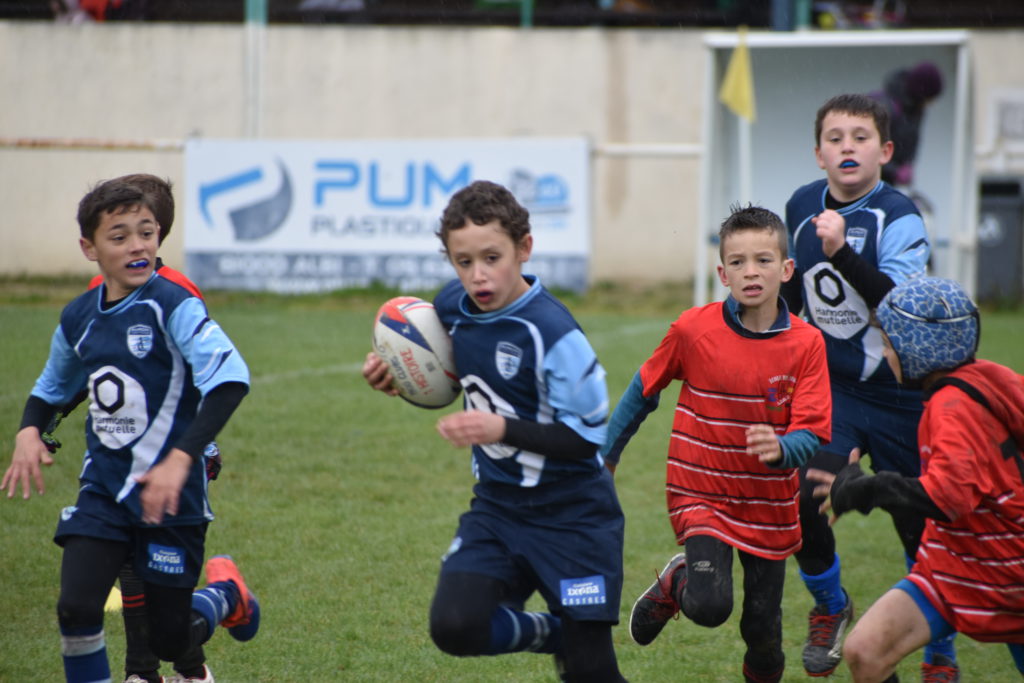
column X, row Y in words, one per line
column 164, row 272
column 734, row 378
column 972, row 568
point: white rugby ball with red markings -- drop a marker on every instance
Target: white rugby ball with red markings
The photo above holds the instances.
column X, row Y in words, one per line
column 409, row 337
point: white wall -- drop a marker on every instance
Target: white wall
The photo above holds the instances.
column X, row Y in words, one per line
column 165, row 82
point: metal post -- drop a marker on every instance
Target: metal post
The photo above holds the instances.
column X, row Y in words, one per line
column 782, row 15
column 255, row 30
column 526, row 13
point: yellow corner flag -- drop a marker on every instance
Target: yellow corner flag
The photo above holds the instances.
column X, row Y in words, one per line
column 737, row 91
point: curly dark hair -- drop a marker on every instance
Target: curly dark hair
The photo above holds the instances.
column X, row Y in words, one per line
column 482, row 202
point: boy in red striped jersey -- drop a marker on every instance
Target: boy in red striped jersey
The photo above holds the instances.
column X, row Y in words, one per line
column 968, row 576
column 754, row 405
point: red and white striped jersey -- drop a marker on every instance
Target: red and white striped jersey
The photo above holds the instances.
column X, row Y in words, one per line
column 734, row 378
column 972, row 568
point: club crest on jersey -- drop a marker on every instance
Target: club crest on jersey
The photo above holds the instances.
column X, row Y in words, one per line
column 508, row 357
column 140, row 340
column 780, row 391
column 856, row 237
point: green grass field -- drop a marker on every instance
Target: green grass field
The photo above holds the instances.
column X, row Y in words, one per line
column 337, row 502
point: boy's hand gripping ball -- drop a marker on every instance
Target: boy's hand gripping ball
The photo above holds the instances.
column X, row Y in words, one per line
column 409, row 337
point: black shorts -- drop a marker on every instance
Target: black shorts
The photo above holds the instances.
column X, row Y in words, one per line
column 563, row 539
column 164, row 555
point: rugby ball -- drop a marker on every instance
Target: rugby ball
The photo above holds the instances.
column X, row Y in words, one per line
column 409, row 337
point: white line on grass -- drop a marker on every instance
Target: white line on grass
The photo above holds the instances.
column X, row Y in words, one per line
column 272, row 377
column 598, row 337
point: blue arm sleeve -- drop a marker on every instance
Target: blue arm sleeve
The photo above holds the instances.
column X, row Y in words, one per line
column 577, row 389
column 63, row 376
column 904, row 249
column 797, row 448
column 212, row 355
column 632, row 409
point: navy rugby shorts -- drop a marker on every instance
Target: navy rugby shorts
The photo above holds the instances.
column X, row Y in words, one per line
column 164, row 555
column 563, row 539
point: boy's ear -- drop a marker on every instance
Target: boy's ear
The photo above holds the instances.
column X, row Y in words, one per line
column 525, row 248
column 722, row 276
column 887, row 150
column 817, row 157
column 88, row 248
column 788, row 267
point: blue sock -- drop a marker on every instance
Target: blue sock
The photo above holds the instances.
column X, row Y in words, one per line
column 215, row 602
column 941, row 646
column 85, row 655
column 513, row 631
column 826, row 588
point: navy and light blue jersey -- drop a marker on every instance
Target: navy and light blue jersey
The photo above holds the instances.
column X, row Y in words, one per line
column 528, row 361
column 147, row 362
column 886, row 230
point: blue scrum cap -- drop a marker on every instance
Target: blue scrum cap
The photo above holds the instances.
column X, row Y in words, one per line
column 931, row 323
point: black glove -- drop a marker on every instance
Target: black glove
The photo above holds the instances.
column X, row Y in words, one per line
column 51, row 442
column 851, row 491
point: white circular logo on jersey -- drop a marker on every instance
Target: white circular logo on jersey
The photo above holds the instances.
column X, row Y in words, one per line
column 833, row 304
column 117, row 407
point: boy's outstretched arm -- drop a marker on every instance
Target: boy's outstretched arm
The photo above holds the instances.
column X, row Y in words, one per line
column 631, row 410
column 851, row 489
column 30, row 450
column 29, row 453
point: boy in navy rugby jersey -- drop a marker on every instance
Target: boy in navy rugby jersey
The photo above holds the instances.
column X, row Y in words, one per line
column 968, row 574
column 754, row 405
column 853, row 238
column 148, row 355
column 141, row 665
column 545, row 516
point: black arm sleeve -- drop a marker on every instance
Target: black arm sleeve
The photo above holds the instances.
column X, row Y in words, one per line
column 38, row 413
column 872, row 283
column 852, row 490
column 554, row 440
column 217, row 407
column 793, row 293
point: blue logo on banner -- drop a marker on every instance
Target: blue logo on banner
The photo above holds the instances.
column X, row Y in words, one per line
column 540, row 194
column 586, row 591
column 165, row 559
column 412, row 185
column 253, row 221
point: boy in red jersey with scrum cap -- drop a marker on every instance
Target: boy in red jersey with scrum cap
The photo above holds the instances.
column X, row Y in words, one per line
column 968, row 574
